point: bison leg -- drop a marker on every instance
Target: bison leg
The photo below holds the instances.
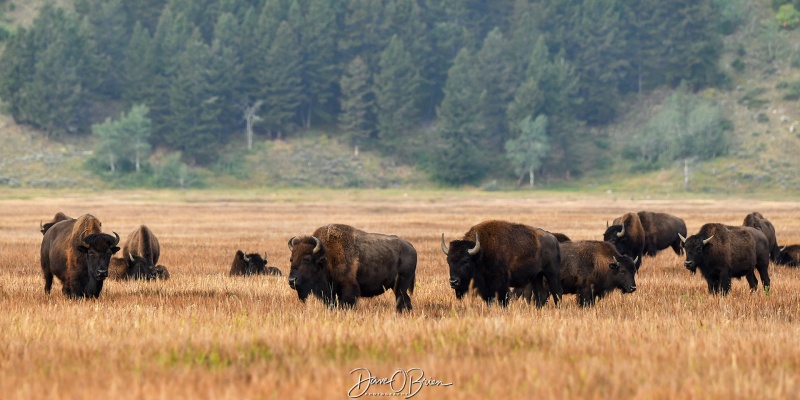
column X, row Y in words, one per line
column 763, row 272
column 539, row 293
column 725, row 282
column 48, row 281
column 348, row 296
column 752, row 281
column 677, row 247
column 586, row 297
column 554, row 283
column 403, row 285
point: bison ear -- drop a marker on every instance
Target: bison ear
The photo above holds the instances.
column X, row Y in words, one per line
column 615, row 264
column 83, row 249
column 114, row 250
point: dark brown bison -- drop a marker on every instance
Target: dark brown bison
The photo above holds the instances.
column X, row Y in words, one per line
column 60, row 216
column 661, row 231
column 560, row 237
column 140, row 256
column 591, row 268
column 251, row 264
column 756, row 220
column 78, row 253
column 628, row 236
column 789, row 255
column 496, row 255
column 339, row 264
column 722, row 252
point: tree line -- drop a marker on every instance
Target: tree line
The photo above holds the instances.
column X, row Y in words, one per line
column 463, row 88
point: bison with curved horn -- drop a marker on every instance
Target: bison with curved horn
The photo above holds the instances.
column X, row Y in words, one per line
column 722, row 252
column 251, row 264
column 628, row 236
column 789, row 255
column 494, row 256
column 78, row 254
column 140, row 256
column 339, row 263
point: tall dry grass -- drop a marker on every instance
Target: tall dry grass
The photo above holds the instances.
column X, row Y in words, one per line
column 203, row 334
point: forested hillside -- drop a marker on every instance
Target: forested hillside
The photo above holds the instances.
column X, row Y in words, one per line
column 466, row 90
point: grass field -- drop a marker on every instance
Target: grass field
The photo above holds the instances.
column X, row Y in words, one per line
column 203, row 334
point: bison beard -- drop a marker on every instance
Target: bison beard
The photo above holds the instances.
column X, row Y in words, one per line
column 723, row 252
column 338, row 264
column 628, row 236
column 591, row 268
column 78, row 254
column 504, row 255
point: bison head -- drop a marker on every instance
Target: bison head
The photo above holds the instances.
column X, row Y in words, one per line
column 98, row 247
column 308, row 274
column 254, row 264
column 162, row 272
column 696, row 254
column 140, row 268
column 462, row 256
column 623, row 273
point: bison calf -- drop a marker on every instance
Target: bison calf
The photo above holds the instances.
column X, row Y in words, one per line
column 251, row 264
column 339, row 264
column 591, row 269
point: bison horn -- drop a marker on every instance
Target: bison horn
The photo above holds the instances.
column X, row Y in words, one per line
column 635, row 260
column 707, row 240
column 245, row 257
column 291, row 243
column 41, row 226
column 783, row 249
column 477, row 247
column 83, row 242
column 606, row 224
column 622, row 232
column 444, row 246
column 130, row 255
column 683, row 239
column 116, row 242
column 318, row 246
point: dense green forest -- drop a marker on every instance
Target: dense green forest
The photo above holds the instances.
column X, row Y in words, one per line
column 463, row 89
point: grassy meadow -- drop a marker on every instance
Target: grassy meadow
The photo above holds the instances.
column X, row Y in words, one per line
column 203, row 334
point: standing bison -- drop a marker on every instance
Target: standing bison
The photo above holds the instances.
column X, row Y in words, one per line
column 628, row 236
column 756, row 220
column 60, row 216
column 339, row 264
column 722, row 252
column 592, row 268
column 661, row 230
column 78, row 253
column 251, row 264
column 496, row 255
column 140, row 256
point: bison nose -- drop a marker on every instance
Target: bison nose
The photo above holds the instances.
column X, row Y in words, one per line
column 103, row 273
column 455, row 282
column 293, row 282
column 688, row 264
column 632, row 288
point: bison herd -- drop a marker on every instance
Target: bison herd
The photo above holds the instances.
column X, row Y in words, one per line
column 496, row 260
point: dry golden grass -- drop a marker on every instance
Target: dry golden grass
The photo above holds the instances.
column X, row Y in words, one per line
column 203, row 334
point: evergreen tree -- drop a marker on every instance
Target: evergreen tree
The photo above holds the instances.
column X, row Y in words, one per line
column 108, row 29
column 282, row 90
column 226, row 74
column 16, row 71
column 356, row 120
column 396, row 95
column 494, row 77
column 364, row 32
column 139, row 67
column 458, row 157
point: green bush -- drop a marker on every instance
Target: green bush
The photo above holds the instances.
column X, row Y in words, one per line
column 788, row 16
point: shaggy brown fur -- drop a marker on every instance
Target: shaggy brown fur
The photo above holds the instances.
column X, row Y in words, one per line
column 78, row 254
column 251, row 264
column 60, row 216
column 722, row 252
column 350, row 263
column 789, row 256
column 627, row 235
column 756, row 220
column 139, row 257
column 592, row 268
column 661, row 231
column 509, row 255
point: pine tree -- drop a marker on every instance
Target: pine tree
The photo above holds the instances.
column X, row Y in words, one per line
column 139, row 67
column 458, row 158
column 282, row 90
column 356, row 120
column 527, row 151
column 16, row 71
column 108, row 29
column 396, row 95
